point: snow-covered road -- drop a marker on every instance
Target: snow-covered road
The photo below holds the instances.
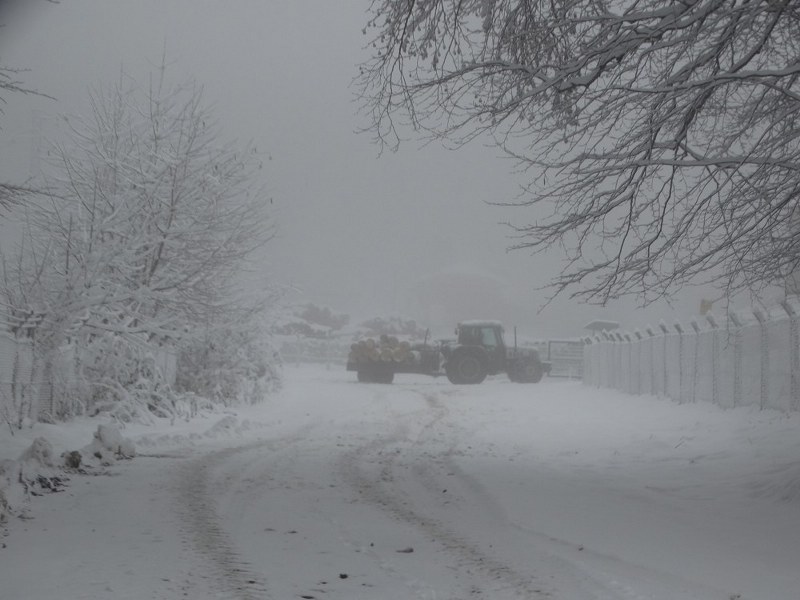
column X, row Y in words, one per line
column 421, row 489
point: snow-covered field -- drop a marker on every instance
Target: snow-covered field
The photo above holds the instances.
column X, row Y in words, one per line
column 338, row 490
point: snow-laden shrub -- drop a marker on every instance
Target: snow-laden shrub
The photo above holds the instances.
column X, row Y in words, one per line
column 107, row 446
column 127, row 380
column 227, row 424
column 229, row 367
column 32, row 474
column 38, row 470
column 39, row 454
column 10, row 490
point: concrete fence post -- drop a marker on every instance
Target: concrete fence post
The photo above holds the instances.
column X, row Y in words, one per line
column 586, row 374
column 619, row 358
column 794, row 354
column 696, row 329
column 587, row 361
column 612, row 360
column 651, row 344
column 679, row 328
column 599, row 363
column 629, row 348
column 605, row 361
column 762, row 322
column 738, row 364
column 714, row 358
column 664, row 362
column 639, row 338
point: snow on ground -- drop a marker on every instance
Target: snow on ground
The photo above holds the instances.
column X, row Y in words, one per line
column 338, row 490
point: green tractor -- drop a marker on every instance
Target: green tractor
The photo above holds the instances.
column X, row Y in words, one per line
column 481, row 350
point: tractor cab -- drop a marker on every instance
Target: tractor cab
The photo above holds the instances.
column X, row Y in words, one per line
column 489, row 336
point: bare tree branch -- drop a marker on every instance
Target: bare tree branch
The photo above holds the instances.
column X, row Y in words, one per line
column 660, row 138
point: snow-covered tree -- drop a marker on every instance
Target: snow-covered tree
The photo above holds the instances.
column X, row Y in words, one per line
column 659, row 138
column 150, row 221
column 153, row 212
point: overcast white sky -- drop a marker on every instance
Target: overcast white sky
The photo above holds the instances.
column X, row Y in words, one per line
column 357, row 232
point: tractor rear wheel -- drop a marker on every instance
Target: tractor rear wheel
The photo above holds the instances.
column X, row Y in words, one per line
column 466, row 368
column 385, row 375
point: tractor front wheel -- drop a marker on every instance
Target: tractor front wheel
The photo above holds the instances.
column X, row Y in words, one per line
column 528, row 372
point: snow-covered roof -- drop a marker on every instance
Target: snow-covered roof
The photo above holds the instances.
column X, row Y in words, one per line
column 480, row 323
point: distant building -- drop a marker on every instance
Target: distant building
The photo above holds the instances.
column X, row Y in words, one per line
column 599, row 325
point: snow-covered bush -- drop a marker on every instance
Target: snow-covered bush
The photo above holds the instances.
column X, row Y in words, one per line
column 229, row 366
column 9, row 478
column 107, row 446
column 125, row 380
column 33, row 473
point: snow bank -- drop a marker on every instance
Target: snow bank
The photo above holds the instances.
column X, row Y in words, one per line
column 38, row 470
column 107, row 446
column 9, row 476
column 32, row 474
column 41, row 469
column 227, row 426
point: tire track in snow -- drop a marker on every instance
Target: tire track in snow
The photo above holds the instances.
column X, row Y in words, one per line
column 232, row 577
column 382, row 490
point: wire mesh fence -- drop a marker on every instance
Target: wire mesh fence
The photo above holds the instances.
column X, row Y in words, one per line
column 743, row 360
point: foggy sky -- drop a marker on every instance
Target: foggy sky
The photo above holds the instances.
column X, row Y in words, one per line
column 358, row 232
